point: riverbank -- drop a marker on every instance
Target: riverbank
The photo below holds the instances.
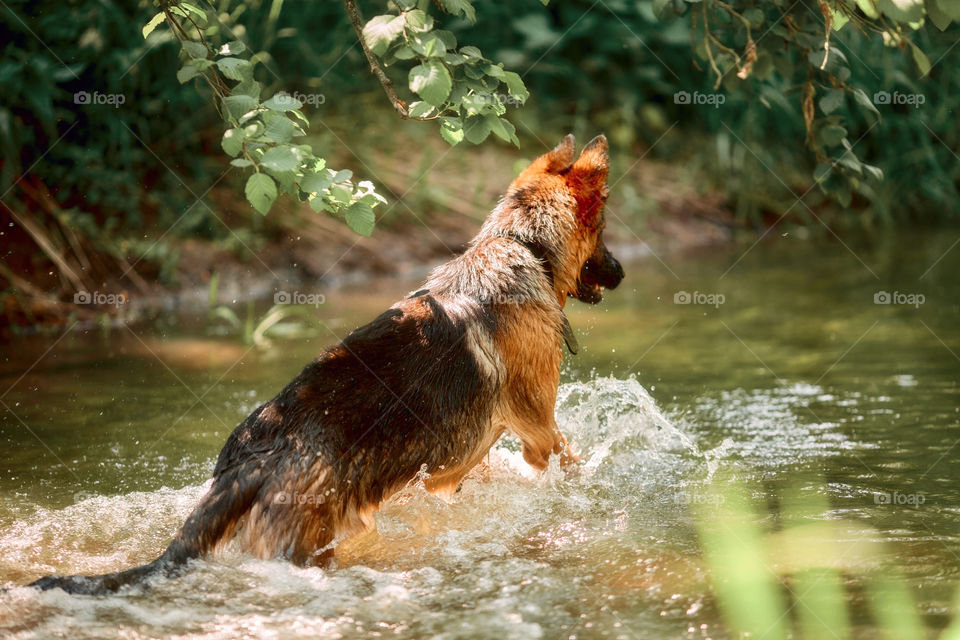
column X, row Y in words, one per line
column 430, row 216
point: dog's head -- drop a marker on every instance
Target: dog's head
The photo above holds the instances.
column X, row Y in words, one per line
column 558, row 201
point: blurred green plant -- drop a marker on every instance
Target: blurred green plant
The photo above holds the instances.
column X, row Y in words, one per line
column 789, row 580
column 280, row 320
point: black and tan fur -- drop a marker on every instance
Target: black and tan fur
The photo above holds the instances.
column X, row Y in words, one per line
column 430, row 385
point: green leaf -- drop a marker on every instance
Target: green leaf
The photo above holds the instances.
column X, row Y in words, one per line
column 494, row 71
column 235, row 68
column 501, row 128
column 937, row 15
column 874, row 172
column 199, row 15
column 951, row 8
column 869, row 7
column 850, row 161
column 659, row 6
column 232, row 48
column 236, row 106
column 429, row 45
column 419, row 109
column 447, row 38
column 831, row 135
column 279, row 127
column 515, row 85
column 187, row 73
column 153, row 24
column 460, row 8
column 838, row 16
column 755, row 17
column 431, row 81
column 476, row 129
column 247, row 88
column 282, row 101
column 261, row 191
column 831, row 101
column 865, row 101
column 822, row 171
column 360, row 218
column 232, row 142
column 341, row 193
column 471, row 52
column 404, row 53
column 923, row 62
column 194, row 49
column 418, row 21
column 451, row 130
column 241, row 162
column 380, row 31
column 902, row 10
column 316, row 182
column 320, row 204
column 281, row 158
column 343, row 175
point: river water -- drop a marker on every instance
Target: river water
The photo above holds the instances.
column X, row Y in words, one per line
column 786, row 366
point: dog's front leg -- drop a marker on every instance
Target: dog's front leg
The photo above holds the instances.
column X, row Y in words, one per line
column 541, row 437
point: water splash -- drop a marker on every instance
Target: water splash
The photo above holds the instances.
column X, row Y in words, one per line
column 513, row 554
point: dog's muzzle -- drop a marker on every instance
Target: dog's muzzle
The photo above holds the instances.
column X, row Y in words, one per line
column 600, row 271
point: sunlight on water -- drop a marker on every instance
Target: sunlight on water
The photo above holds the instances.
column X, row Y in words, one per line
column 512, row 555
column 862, row 411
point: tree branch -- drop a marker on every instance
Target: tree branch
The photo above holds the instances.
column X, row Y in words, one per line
column 354, row 12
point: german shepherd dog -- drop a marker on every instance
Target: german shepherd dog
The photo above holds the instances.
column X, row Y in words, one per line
column 428, row 386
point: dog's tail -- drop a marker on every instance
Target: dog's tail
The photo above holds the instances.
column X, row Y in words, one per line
column 214, row 519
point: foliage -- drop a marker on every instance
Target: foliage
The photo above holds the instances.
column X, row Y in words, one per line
column 95, row 115
column 781, row 45
column 621, row 68
column 456, row 86
column 261, row 131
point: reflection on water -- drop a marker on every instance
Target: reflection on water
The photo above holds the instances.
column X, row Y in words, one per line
column 798, row 374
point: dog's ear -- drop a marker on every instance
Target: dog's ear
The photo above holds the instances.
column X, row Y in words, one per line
column 556, row 160
column 587, row 178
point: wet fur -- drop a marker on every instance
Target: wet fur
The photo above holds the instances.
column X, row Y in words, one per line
column 428, row 386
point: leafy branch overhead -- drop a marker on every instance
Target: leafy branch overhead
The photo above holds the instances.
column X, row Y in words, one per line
column 756, row 41
column 776, row 49
column 260, row 134
column 458, row 86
